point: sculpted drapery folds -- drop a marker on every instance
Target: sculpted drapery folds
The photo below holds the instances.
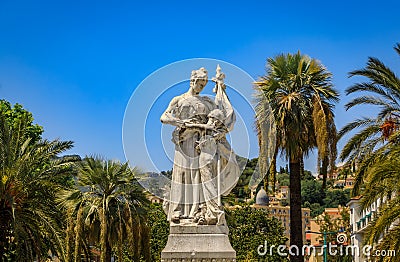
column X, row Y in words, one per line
column 205, row 166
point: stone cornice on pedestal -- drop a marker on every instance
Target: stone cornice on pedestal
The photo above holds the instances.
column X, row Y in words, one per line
column 198, row 243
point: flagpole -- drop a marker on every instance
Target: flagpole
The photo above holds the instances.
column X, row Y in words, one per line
column 218, row 79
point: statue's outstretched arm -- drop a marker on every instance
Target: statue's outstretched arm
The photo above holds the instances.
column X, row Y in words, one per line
column 168, row 116
column 209, row 125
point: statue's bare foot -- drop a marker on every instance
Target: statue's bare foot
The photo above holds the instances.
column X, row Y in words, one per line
column 175, row 219
column 202, row 221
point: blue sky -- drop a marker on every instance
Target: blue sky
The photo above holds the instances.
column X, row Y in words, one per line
column 75, row 64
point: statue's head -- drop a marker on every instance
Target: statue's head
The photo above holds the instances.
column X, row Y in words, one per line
column 198, row 80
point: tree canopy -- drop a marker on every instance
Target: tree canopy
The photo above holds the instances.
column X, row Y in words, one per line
column 249, row 228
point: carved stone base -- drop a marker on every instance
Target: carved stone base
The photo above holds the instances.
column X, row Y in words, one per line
column 195, row 243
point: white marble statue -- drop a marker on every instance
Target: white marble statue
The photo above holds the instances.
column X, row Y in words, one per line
column 205, row 166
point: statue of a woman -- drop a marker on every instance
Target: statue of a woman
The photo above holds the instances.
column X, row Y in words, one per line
column 204, row 165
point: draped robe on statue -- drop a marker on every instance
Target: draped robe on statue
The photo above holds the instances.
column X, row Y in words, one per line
column 199, row 154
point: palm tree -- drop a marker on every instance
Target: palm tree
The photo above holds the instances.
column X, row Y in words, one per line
column 375, row 149
column 383, row 90
column 31, row 224
column 300, row 94
column 109, row 207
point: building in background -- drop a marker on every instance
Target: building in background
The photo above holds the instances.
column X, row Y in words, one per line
column 282, row 213
column 360, row 219
column 347, row 183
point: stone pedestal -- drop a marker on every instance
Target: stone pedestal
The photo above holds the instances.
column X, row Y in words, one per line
column 198, row 243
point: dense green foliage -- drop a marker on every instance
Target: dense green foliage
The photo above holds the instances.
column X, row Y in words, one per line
column 15, row 115
column 31, row 222
column 312, row 195
column 242, row 190
column 249, row 228
column 159, row 227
